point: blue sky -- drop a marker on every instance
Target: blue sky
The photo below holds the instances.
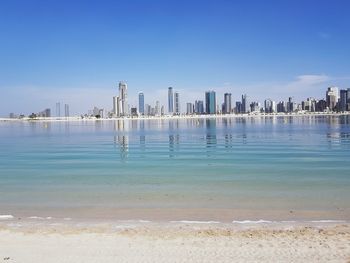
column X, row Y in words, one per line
column 76, row 51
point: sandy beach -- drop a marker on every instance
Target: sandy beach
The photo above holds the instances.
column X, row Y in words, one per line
column 174, row 243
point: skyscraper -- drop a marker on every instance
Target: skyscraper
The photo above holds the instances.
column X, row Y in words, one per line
column 268, row 106
column 227, row 103
column 290, row 105
column 238, row 107
column 210, row 102
column 66, row 110
column 332, row 97
column 189, row 108
column 245, row 104
column 157, row 108
column 343, row 100
column 116, row 106
column 198, row 107
column 58, row 109
column 170, row 101
column 177, row 102
column 141, row 103
column 123, row 97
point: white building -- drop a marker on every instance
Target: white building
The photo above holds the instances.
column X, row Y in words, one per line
column 123, row 97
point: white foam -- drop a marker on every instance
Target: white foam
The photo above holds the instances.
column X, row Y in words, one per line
column 67, row 218
column 195, row 222
column 144, row 221
column 6, row 217
column 36, row 217
column 261, row 221
column 40, row 218
column 328, row 221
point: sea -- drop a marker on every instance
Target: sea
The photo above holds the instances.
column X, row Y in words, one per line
column 209, row 169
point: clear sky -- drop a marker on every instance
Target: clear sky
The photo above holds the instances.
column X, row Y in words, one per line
column 76, row 51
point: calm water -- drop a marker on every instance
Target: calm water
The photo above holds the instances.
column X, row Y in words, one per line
column 200, row 168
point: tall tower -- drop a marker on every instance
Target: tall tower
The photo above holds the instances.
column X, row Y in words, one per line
column 210, row 102
column 58, row 109
column 123, row 97
column 332, row 97
column 343, row 100
column 141, row 103
column 245, row 104
column 177, row 102
column 116, row 106
column 170, row 101
column 227, row 103
column 66, row 110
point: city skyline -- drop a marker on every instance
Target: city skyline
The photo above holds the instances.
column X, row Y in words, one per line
column 336, row 100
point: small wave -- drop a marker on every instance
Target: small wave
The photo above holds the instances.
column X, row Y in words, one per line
column 195, row 222
column 328, row 221
column 6, row 216
column 261, row 221
column 40, row 218
column 67, row 218
column 144, row 221
column 36, row 217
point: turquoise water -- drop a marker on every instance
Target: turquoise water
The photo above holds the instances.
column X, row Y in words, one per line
column 180, row 168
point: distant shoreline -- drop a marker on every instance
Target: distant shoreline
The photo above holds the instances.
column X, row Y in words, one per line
column 168, row 117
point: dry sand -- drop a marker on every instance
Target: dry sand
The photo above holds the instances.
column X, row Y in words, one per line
column 178, row 243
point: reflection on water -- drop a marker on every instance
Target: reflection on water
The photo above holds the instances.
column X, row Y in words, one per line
column 224, row 131
column 121, row 138
column 210, row 136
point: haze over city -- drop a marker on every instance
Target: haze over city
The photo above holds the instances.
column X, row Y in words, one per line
column 76, row 53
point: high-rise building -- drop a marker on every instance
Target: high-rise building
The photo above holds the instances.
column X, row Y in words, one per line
column 238, row 108
column 177, row 102
column 290, row 105
column 268, row 106
column 210, row 102
column 147, row 110
column 66, row 110
column 227, row 103
column 123, row 97
column 332, row 98
column 309, row 105
column 58, row 109
column 189, row 108
column 321, row 106
column 157, row 108
column 281, row 106
column 255, row 106
column 141, row 103
column 245, row 104
column 116, row 106
column 199, row 107
column 343, row 100
column 170, row 101
column 162, row 110
column 274, row 106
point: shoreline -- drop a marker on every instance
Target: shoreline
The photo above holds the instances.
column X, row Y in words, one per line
column 148, row 242
column 9, row 221
column 180, row 117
